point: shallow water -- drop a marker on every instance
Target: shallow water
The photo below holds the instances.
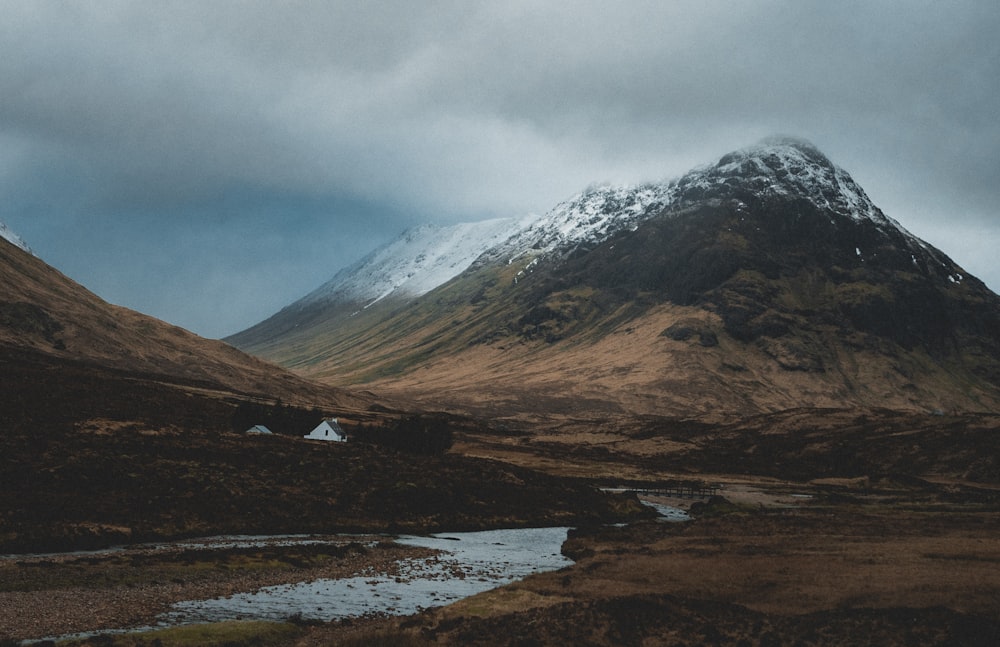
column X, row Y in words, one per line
column 667, row 512
column 471, row 563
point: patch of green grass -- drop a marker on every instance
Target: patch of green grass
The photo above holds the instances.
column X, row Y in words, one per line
column 862, row 292
column 219, row 634
column 718, row 506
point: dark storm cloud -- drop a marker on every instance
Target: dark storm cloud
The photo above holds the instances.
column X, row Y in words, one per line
column 169, row 154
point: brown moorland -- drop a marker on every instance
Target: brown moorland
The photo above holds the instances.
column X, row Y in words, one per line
column 901, row 549
column 841, row 528
column 91, row 458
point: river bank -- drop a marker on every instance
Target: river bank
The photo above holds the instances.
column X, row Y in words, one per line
column 52, row 595
column 880, row 563
column 308, row 579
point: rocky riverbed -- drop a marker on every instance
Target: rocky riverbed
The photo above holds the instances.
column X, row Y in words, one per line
column 52, row 595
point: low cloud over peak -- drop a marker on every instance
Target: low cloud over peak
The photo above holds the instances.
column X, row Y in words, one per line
column 224, row 119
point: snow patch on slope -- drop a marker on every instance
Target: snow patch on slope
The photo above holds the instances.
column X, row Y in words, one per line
column 7, row 234
column 415, row 263
column 428, row 256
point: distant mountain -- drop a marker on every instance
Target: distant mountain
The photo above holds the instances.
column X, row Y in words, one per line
column 428, row 256
column 418, row 261
column 765, row 281
column 48, row 319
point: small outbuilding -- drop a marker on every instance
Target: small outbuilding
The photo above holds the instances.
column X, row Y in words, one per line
column 258, row 430
column 330, row 430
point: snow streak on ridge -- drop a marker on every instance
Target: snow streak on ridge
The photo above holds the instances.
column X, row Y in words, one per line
column 584, row 220
column 7, row 234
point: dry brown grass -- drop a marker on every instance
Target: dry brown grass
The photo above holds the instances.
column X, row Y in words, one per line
column 774, row 565
column 832, row 574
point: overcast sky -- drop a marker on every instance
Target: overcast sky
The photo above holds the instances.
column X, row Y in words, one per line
column 210, row 162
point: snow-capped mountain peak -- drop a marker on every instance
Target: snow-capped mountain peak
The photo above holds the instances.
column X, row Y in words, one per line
column 776, row 166
column 428, row 256
column 782, row 166
column 7, row 234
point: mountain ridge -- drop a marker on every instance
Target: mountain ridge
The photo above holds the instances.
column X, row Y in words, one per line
column 585, row 219
column 376, row 279
column 419, row 260
column 768, row 278
column 47, row 316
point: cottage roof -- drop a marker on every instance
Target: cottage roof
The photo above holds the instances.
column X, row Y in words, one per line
column 323, row 431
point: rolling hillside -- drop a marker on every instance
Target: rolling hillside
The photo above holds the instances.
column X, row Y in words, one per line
column 47, row 318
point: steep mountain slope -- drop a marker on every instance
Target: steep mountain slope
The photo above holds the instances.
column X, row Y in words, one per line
column 418, row 261
column 46, row 317
column 763, row 282
column 429, row 256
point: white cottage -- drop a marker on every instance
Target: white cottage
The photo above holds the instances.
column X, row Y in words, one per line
column 329, row 429
column 258, row 430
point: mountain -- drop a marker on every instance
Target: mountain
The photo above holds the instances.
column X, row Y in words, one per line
column 429, row 256
column 763, row 282
column 418, row 261
column 48, row 320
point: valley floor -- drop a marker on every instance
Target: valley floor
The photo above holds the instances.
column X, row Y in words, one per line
column 831, row 565
column 889, row 567
column 821, row 574
column 60, row 594
column 829, row 528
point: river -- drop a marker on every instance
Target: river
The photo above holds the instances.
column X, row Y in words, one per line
column 469, row 563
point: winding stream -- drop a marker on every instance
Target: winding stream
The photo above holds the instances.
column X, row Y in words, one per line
column 470, row 563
